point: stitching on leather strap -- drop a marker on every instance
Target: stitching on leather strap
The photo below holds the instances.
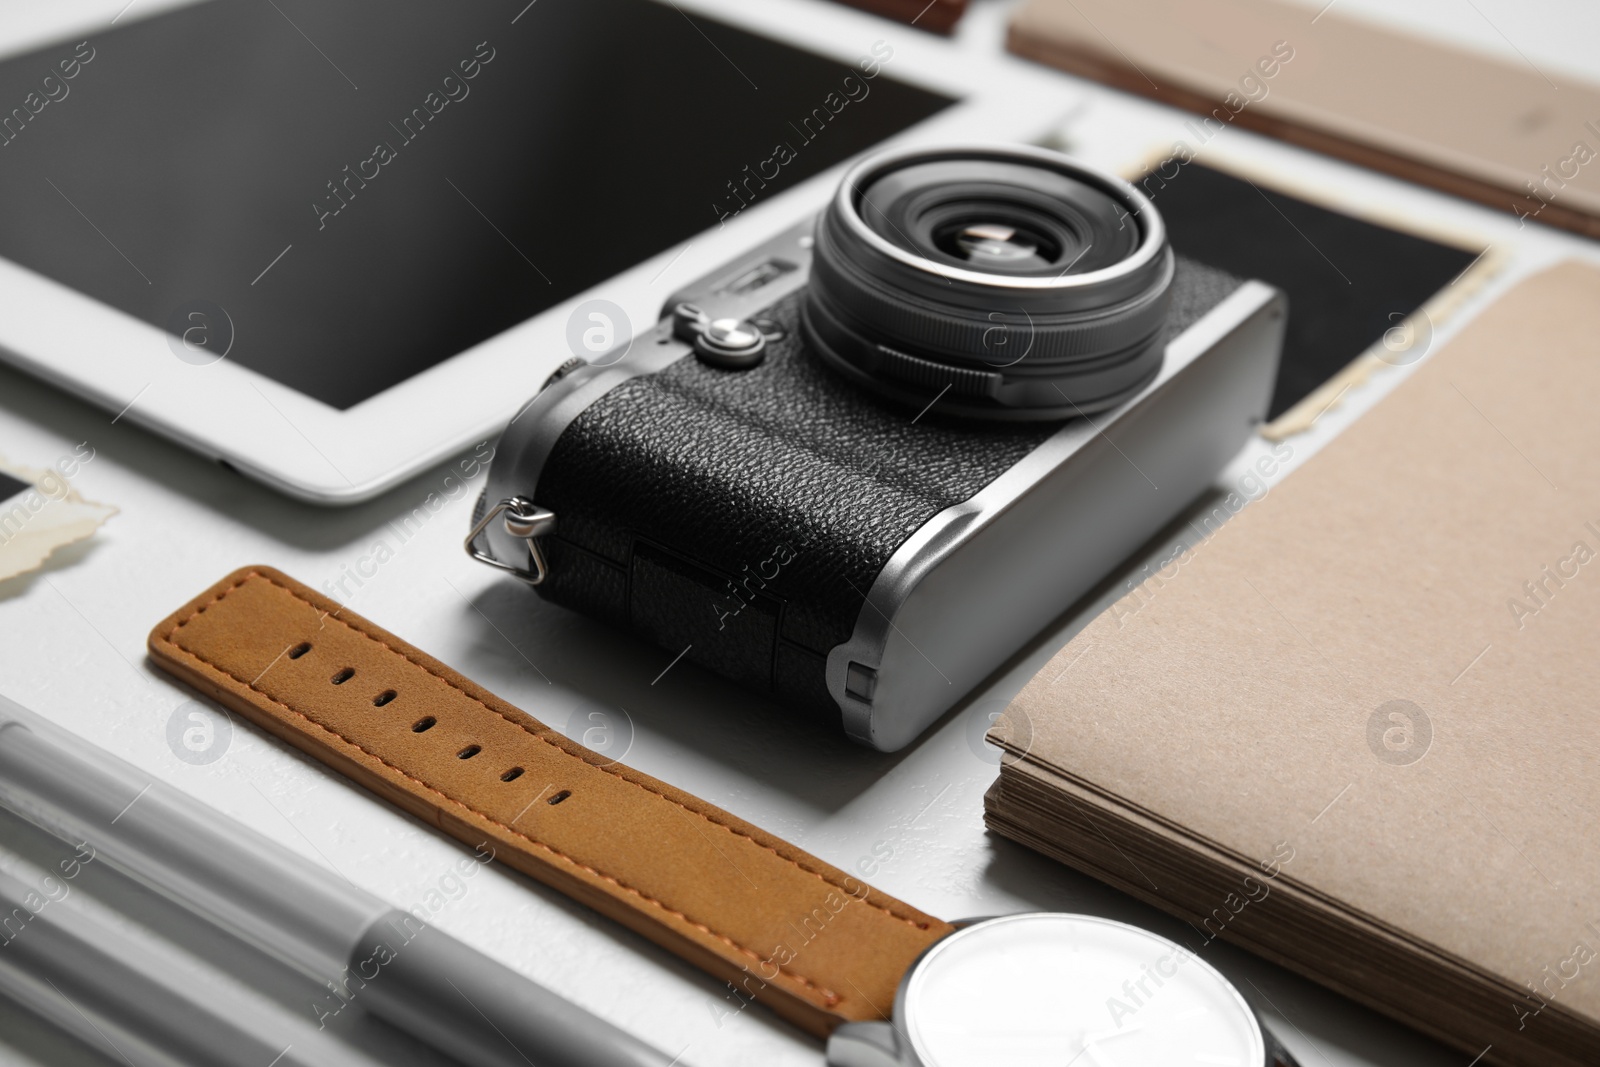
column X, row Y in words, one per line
column 829, row 996
column 523, row 726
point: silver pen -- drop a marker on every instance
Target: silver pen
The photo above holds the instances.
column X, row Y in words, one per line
column 88, row 972
column 402, row 970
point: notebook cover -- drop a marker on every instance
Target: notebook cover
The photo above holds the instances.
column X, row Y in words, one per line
column 1390, row 664
column 1504, row 133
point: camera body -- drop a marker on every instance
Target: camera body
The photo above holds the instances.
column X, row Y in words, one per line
column 865, row 563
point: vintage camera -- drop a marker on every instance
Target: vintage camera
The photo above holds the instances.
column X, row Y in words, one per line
column 866, row 463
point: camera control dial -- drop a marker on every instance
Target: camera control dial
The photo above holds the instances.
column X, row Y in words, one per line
column 732, row 344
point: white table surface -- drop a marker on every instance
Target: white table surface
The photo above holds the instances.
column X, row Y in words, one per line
column 72, row 644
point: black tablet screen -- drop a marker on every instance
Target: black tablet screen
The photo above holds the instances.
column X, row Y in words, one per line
column 367, row 187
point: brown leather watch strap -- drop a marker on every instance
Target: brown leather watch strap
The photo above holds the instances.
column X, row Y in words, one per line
column 814, row 943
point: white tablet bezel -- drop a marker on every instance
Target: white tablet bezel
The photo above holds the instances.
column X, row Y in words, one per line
column 315, row 452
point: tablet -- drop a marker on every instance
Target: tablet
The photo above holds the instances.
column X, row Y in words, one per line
column 331, row 244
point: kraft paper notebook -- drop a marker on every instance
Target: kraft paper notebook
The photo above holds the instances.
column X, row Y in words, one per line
column 1504, row 132
column 1358, row 729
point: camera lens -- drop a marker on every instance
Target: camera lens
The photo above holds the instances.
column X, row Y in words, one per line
column 996, row 282
column 996, row 246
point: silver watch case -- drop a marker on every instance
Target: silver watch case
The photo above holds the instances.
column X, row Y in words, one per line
column 885, row 1044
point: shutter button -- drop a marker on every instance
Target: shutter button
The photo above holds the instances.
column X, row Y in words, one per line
column 732, row 344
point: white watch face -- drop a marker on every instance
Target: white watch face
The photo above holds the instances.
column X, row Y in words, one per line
column 1073, row 991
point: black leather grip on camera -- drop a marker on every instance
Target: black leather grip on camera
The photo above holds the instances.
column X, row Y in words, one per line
column 740, row 517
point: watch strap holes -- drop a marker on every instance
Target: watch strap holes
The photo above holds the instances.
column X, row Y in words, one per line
column 343, row 676
column 383, row 698
column 559, row 797
column 299, row 650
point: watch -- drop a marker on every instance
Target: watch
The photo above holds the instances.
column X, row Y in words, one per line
column 887, row 984
column 1047, row 989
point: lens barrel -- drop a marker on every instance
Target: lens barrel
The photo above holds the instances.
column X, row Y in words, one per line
column 1000, row 282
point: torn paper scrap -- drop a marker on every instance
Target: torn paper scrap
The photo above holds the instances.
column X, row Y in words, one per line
column 41, row 512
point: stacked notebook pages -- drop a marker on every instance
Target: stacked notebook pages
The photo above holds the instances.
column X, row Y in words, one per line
column 1355, row 730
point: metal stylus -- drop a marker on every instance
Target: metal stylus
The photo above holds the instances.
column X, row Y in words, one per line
column 410, row 974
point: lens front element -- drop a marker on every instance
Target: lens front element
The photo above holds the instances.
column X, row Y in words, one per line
column 996, row 246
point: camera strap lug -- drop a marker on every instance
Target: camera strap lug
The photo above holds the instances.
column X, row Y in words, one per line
column 523, row 519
